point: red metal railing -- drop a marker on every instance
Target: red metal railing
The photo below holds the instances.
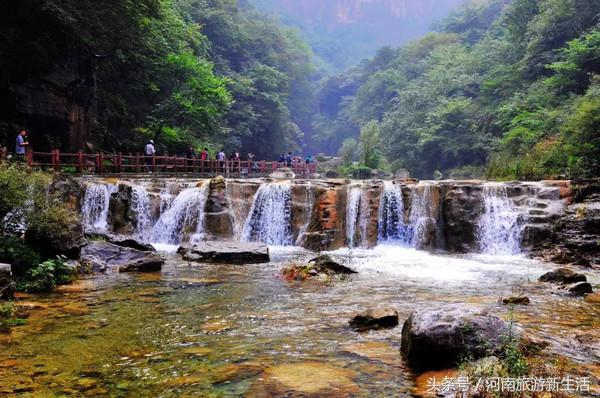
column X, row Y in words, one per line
column 113, row 164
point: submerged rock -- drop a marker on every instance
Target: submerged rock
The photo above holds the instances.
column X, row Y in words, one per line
column 322, row 267
column 7, row 287
column 563, row 276
column 226, row 252
column 519, row 300
column 105, row 256
column 581, row 289
column 305, row 379
column 438, row 338
column 375, row 320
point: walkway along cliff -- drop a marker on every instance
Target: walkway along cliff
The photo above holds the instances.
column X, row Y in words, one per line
column 556, row 219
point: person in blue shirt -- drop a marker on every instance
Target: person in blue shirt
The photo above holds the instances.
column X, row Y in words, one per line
column 21, row 145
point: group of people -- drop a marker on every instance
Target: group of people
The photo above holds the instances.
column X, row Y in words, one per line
column 289, row 159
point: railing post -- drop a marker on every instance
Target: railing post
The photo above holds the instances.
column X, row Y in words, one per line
column 29, row 153
column 119, row 163
column 80, row 162
column 153, row 163
column 56, row 162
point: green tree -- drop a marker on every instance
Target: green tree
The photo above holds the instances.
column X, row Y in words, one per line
column 370, row 144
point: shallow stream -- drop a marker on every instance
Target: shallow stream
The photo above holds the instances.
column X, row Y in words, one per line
column 219, row 330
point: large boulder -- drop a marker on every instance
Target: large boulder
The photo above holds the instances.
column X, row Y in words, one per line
column 7, row 287
column 121, row 217
column 122, row 240
column 105, row 256
column 563, row 276
column 226, row 253
column 324, row 264
column 438, row 338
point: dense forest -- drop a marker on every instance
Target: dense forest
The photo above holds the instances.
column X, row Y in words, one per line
column 502, row 88
column 112, row 75
column 507, row 89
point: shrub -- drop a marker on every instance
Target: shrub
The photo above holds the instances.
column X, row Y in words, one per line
column 47, row 276
column 21, row 256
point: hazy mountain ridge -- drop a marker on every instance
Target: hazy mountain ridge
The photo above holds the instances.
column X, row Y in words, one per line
column 342, row 32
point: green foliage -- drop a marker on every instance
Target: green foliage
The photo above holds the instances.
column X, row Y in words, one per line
column 505, row 84
column 348, row 151
column 370, row 145
column 18, row 185
column 16, row 252
column 47, row 276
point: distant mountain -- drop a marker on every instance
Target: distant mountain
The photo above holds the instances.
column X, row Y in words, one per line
column 343, row 32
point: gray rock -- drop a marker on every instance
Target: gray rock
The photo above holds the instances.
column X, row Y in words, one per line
column 375, row 319
column 325, row 265
column 105, row 256
column 439, row 338
column 581, row 289
column 226, row 253
column 283, row 173
column 563, row 276
column 120, row 240
column 7, row 287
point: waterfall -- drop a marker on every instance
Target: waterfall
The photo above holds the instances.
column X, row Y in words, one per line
column 498, row 229
column 96, row 203
column 184, row 217
column 269, row 220
column 352, row 214
column 140, row 206
column 421, row 226
column 391, row 215
column 309, row 207
column 421, row 215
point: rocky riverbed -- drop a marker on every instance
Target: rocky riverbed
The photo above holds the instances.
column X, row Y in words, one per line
column 231, row 330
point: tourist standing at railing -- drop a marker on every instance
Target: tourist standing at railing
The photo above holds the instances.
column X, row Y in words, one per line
column 308, row 159
column 288, row 159
column 21, row 145
column 235, row 161
column 204, row 158
column 149, row 152
column 221, row 160
column 281, row 160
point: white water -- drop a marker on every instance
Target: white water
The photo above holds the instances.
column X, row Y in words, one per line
column 391, row 215
column 352, row 214
column 309, row 208
column 140, row 206
column 498, row 229
column 269, row 220
column 96, row 202
column 184, row 217
column 421, row 215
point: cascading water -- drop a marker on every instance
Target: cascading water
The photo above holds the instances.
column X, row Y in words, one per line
column 184, row 217
column 269, row 220
column 352, row 214
column 140, row 205
column 391, row 215
column 96, row 203
column 421, row 215
column 309, row 206
column 498, row 229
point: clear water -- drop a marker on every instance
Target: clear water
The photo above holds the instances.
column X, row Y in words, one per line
column 195, row 330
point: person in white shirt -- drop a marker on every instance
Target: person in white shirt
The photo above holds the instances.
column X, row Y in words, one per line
column 221, row 159
column 149, row 152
